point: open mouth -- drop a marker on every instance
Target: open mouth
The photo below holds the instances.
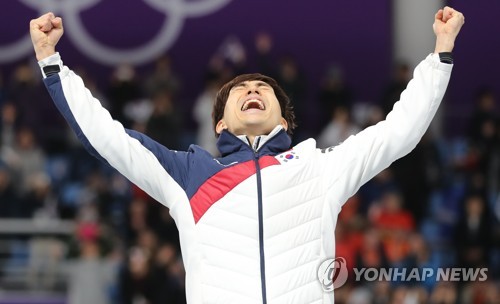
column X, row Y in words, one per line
column 252, row 104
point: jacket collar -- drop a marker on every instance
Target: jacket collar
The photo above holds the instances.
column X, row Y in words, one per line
column 275, row 142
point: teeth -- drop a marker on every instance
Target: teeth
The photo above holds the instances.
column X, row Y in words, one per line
column 245, row 105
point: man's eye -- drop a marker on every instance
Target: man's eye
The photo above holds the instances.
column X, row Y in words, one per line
column 237, row 89
column 264, row 87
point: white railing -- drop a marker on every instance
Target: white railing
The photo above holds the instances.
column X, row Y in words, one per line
column 36, row 226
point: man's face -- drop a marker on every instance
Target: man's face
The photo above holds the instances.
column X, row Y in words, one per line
column 251, row 109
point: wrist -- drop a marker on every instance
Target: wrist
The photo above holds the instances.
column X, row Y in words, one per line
column 444, row 44
column 42, row 54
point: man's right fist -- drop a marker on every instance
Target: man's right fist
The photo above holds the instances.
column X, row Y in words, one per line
column 447, row 25
column 45, row 32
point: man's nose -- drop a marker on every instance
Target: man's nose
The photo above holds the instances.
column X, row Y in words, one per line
column 252, row 90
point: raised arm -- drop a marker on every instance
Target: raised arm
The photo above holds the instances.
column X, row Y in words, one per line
column 157, row 170
column 364, row 155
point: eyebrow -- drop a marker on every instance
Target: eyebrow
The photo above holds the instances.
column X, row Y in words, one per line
column 244, row 84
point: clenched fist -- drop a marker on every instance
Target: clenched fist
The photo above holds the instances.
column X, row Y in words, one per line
column 45, row 32
column 447, row 25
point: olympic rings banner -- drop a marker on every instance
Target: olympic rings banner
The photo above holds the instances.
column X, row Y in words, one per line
column 99, row 34
column 176, row 12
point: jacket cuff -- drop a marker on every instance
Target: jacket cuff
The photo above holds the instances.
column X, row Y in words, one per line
column 446, row 57
column 51, row 65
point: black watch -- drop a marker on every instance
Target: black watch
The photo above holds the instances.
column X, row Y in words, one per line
column 51, row 69
column 446, row 57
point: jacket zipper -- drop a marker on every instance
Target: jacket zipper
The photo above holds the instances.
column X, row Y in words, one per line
column 261, row 223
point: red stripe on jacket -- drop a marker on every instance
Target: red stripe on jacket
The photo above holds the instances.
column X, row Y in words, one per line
column 217, row 186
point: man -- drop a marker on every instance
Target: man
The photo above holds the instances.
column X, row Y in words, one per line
column 256, row 223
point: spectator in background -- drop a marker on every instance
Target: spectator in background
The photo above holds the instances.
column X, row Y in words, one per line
column 46, row 255
column 493, row 176
column 168, row 270
column 338, row 129
column 229, row 59
column 263, row 46
column 2, row 91
column 389, row 214
column 34, row 109
column 145, row 215
column 8, row 125
column 487, row 292
column 347, row 245
column 163, row 78
column 165, row 227
column 375, row 115
column 135, row 278
column 395, row 224
column 151, row 274
column 137, row 219
column 40, row 201
column 147, row 239
column 165, row 124
column 393, row 90
column 484, row 112
column 234, row 54
column 444, row 293
column 484, row 142
column 372, row 191
column 473, row 233
column 93, row 87
column 408, row 294
column 426, row 167
column 371, row 252
column 333, row 93
column 124, row 87
column 381, row 292
column 92, row 273
column 96, row 191
column 205, row 136
column 25, row 91
column 8, row 197
column 293, row 82
column 25, row 159
column 217, row 69
column 421, row 256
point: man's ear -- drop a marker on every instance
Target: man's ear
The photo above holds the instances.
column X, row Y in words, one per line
column 284, row 123
column 221, row 125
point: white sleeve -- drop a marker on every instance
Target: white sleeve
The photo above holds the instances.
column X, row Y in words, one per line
column 152, row 167
column 351, row 164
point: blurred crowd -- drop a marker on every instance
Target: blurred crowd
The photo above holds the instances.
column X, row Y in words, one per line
column 437, row 207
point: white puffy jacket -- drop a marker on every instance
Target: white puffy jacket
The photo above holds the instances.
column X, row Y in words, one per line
column 255, row 223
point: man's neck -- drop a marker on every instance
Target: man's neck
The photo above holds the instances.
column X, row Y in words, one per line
column 250, row 138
